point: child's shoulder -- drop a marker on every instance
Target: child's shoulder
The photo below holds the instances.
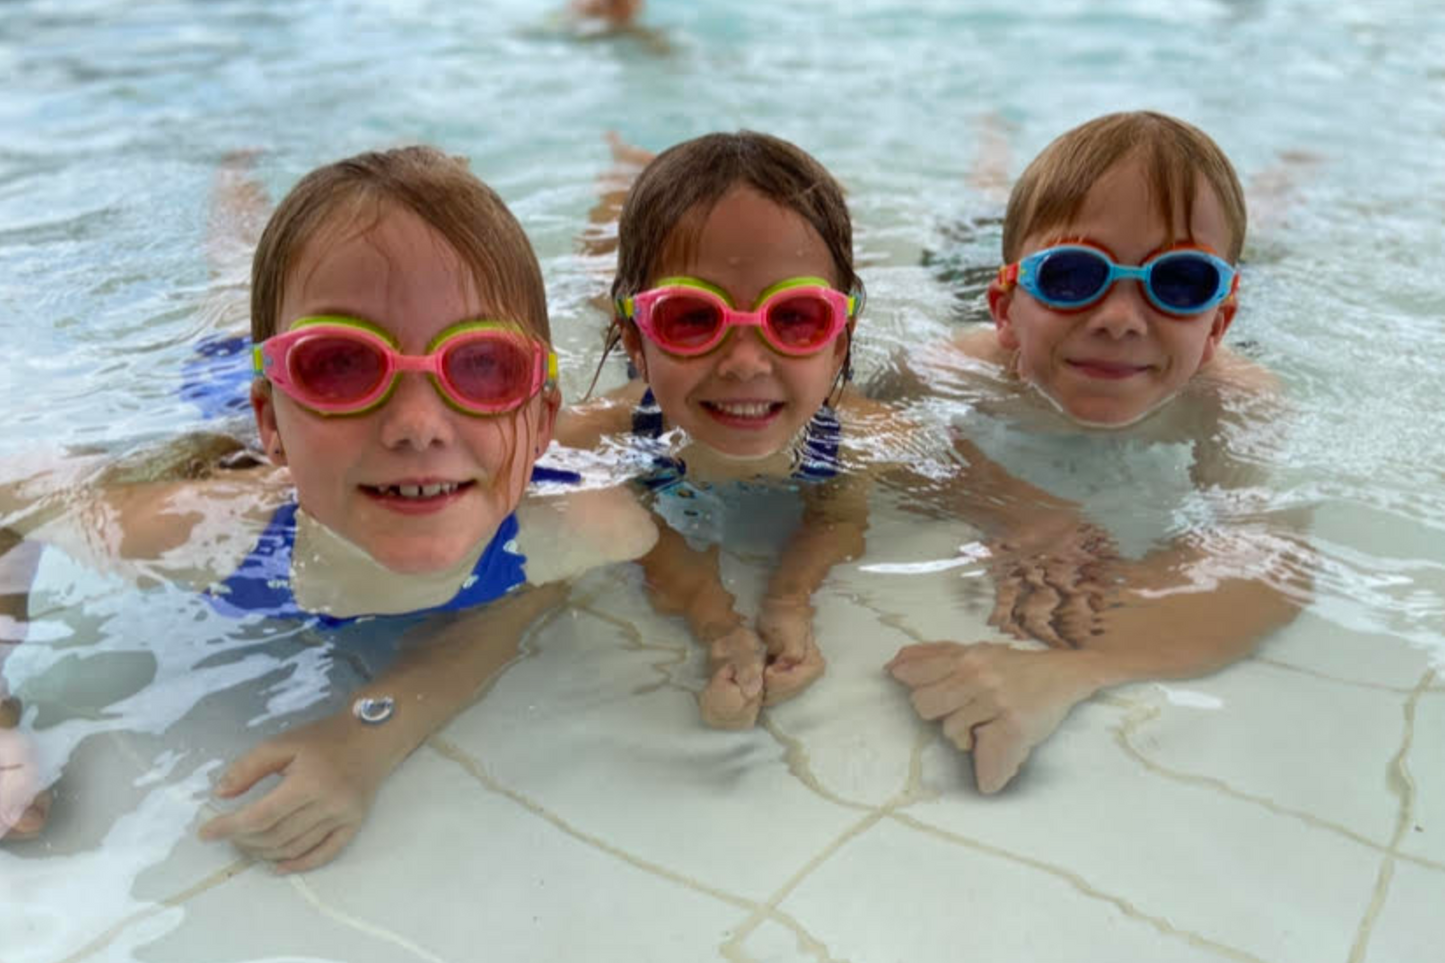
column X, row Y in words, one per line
column 1232, row 371
column 563, row 535
column 586, row 423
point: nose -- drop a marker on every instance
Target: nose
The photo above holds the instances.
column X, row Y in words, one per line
column 415, row 416
column 1123, row 312
column 743, row 355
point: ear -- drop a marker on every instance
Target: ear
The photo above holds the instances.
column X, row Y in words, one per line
column 1000, row 303
column 263, row 404
column 1223, row 318
column 632, row 344
column 551, row 403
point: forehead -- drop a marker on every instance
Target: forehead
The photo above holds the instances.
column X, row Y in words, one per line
column 383, row 265
column 1121, row 211
column 745, row 244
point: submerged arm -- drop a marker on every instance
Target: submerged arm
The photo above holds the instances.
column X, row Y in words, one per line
column 333, row 768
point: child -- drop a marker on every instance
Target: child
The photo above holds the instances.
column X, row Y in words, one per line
column 1121, row 241
column 736, row 301
column 387, row 493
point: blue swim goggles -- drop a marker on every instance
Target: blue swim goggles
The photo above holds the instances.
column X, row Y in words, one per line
column 1181, row 281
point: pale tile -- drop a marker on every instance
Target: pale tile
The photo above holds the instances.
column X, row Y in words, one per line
column 1227, row 869
column 898, row 893
column 447, row 870
column 1284, row 737
column 590, row 729
column 1425, row 837
column 1410, row 927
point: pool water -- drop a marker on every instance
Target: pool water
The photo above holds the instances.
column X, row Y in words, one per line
column 1288, row 808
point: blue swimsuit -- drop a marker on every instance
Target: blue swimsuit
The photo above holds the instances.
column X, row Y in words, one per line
column 261, row 584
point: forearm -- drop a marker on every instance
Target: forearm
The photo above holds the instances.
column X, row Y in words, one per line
column 811, row 553
column 19, row 560
column 446, row 671
column 1183, row 631
column 685, row 582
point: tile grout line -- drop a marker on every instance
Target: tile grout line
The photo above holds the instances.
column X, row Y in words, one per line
column 1124, row 732
column 309, row 895
column 478, row 772
column 1328, row 677
column 909, row 794
column 1403, row 784
column 218, row 878
column 1082, row 885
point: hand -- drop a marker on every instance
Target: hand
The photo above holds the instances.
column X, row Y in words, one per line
column 734, row 692
column 995, row 702
column 794, row 662
column 24, row 807
column 1047, row 581
column 329, row 776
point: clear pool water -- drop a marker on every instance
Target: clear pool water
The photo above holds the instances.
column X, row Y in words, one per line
column 1289, row 808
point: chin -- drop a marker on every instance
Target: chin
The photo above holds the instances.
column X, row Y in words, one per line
column 421, row 558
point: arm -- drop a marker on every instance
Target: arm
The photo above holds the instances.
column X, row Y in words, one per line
column 331, row 769
column 1187, row 609
column 686, row 582
column 835, row 517
column 24, row 804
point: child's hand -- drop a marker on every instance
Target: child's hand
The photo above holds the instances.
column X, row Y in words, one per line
column 786, row 627
column 995, row 702
column 734, row 693
column 329, row 776
column 23, row 806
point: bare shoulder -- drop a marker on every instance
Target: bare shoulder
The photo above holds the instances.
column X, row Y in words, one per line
column 979, row 343
column 584, row 425
column 566, row 534
column 1232, row 372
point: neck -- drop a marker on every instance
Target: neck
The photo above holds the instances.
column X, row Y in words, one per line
column 333, row 575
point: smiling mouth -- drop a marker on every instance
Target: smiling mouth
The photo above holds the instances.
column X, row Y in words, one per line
column 416, row 493
column 1108, row 369
column 743, row 410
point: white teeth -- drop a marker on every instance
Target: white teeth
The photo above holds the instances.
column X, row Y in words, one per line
column 751, row 409
column 418, row 491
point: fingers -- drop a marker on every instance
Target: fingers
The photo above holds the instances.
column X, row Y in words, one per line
column 299, row 845
column 241, row 775
column 25, row 821
column 999, row 751
column 324, row 852
column 919, row 665
column 961, row 727
column 939, row 699
column 257, row 819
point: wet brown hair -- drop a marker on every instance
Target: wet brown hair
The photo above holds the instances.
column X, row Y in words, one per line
column 437, row 188
column 671, row 199
column 677, row 190
column 1052, row 189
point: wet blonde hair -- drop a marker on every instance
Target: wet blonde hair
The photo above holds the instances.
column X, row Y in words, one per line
column 1052, row 189
column 437, row 188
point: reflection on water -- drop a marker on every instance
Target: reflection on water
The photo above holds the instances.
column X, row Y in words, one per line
column 1307, row 776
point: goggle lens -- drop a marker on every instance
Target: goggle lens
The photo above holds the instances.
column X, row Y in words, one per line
column 1073, row 276
column 488, row 372
column 800, row 323
column 336, row 370
column 686, row 322
column 1183, row 282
